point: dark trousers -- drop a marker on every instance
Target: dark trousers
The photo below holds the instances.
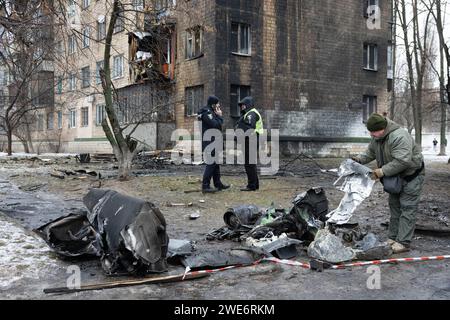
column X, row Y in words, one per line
column 211, row 171
column 251, row 169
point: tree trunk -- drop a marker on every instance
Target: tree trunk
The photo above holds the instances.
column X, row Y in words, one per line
column 125, row 164
column 9, row 137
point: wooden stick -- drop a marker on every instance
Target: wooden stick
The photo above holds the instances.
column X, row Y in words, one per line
column 126, row 283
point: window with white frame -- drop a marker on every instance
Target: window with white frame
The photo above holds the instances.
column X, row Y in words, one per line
column 117, row 71
column 72, row 43
column 369, row 106
column 240, row 38
column 193, row 100
column 60, row 119
column 85, row 77
column 100, row 114
column 50, row 120
column 84, row 117
column 237, row 93
column 86, row 37
column 194, row 41
column 370, row 61
column 72, row 82
column 72, row 118
column 98, row 66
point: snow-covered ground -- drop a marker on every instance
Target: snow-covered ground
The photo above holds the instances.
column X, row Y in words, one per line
column 22, row 254
column 435, row 158
column 42, row 155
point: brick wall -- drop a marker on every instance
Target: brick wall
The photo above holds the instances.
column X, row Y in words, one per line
column 304, row 71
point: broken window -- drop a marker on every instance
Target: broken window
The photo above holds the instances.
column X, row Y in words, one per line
column 370, row 57
column 98, row 66
column 194, row 41
column 71, row 44
column 99, row 114
column 85, row 77
column 369, row 106
column 193, row 100
column 50, row 120
column 59, row 119
column 72, row 118
column 117, row 66
column 237, row 93
column 240, row 38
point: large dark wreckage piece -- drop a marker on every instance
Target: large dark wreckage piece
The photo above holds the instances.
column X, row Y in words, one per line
column 128, row 234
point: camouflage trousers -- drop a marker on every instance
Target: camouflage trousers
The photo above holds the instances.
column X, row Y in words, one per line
column 403, row 209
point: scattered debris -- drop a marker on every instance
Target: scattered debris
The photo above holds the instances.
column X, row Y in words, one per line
column 281, row 247
column 128, row 283
column 57, row 174
column 329, row 248
column 194, row 216
column 222, row 258
column 190, row 204
column 180, row 248
column 32, row 187
column 370, row 248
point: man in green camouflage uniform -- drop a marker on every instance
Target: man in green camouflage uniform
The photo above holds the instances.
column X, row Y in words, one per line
column 396, row 154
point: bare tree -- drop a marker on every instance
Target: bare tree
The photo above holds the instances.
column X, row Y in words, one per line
column 25, row 38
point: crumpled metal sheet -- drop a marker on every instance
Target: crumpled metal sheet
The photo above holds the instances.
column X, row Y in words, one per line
column 180, row 248
column 328, row 247
column 282, row 247
column 133, row 232
column 357, row 186
column 243, row 216
column 128, row 234
column 71, row 236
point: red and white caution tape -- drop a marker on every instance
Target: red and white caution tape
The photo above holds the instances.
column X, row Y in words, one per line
column 288, row 262
column 376, row 262
column 307, row 266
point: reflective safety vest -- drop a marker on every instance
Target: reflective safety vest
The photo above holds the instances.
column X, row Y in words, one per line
column 259, row 124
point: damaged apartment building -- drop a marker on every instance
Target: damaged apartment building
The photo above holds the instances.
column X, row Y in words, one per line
column 316, row 69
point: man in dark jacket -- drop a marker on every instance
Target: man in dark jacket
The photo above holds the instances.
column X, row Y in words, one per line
column 211, row 118
column 252, row 124
column 396, row 154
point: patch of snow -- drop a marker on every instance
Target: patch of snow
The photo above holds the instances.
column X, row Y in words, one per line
column 22, row 255
column 43, row 155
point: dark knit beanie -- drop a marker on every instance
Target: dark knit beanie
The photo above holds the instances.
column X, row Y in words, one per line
column 376, row 122
column 212, row 100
